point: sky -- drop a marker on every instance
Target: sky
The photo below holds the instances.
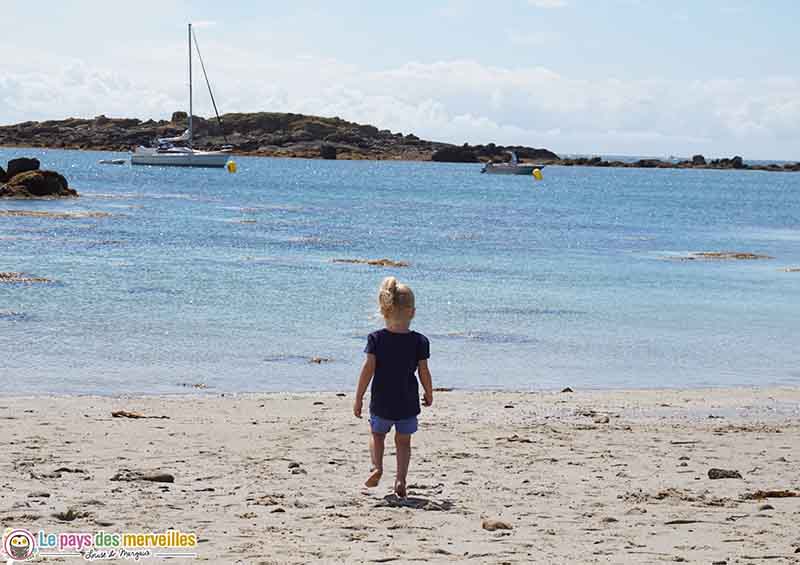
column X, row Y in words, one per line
column 613, row 77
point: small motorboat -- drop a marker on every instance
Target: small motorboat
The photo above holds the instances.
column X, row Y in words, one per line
column 112, row 161
column 513, row 167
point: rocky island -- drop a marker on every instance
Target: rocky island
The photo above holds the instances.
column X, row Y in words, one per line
column 22, row 178
column 273, row 134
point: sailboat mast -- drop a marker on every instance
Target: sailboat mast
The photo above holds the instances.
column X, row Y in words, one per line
column 190, row 86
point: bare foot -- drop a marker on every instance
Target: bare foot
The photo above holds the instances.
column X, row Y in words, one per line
column 374, row 478
column 400, row 489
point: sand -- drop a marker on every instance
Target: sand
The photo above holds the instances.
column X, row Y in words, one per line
column 584, row 477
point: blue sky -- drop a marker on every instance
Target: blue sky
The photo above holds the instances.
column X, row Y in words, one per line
column 643, row 77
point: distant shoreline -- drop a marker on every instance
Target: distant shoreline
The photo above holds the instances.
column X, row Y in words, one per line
column 288, row 135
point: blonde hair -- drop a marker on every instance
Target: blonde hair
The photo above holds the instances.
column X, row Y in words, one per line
column 395, row 299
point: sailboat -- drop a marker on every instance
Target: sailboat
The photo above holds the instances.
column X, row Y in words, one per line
column 178, row 151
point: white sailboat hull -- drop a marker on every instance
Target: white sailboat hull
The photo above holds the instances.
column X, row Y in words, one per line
column 185, row 158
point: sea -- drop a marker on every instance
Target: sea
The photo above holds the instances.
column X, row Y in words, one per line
column 202, row 280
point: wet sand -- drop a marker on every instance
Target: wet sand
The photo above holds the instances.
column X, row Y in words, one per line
column 584, row 477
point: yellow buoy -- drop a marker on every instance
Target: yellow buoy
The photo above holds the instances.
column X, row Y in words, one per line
column 537, row 174
column 231, row 166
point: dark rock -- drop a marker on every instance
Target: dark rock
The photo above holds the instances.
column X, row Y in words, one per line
column 567, row 389
column 737, row 162
column 698, row 160
column 21, row 165
column 179, row 117
column 37, row 184
column 3, row 175
column 327, row 151
column 454, row 155
column 723, row 474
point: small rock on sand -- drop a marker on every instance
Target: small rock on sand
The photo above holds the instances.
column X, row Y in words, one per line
column 766, row 507
column 127, row 475
column 723, row 474
column 603, row 419
column 491, row 525
column 567, row 389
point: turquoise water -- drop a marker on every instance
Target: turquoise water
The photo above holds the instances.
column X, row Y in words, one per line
column 200, row 276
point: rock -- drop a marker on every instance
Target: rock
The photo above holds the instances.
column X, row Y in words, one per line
column 737, row 162
column 455, row 154
column 40, row 494
column 567, row 389
column 179, row 117
column 21, row 165
column 762, row 507
column 277, row 510
column 327, row 151
column 602, row 419
column 127, row 475
column 609, row 520
column 721, row 256
column 298, row 471
column 698, row 160
column 37, row 184
column 374, row 262
column 723, row 474
column 294, row 465
column 492, row 525
column 21, row 278
column 3, row 175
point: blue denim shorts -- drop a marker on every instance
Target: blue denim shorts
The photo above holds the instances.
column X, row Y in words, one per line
column 382, row 425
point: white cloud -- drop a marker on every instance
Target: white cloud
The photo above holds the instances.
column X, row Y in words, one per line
column 548, row 3
column 457, row 100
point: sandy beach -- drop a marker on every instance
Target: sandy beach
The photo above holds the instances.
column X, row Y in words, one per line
column 583, row 477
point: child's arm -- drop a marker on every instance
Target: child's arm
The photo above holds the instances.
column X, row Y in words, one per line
column 363, row 382
column 427, row 382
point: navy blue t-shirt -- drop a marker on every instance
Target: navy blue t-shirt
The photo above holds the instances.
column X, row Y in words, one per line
column 395, row 392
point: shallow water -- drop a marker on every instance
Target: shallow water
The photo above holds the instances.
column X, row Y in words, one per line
column 200, row 276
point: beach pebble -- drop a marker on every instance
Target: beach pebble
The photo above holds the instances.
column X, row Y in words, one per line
column 277, row 510
column 609, row 520
column 492, row 525
column 299, row 471
column 766, row 507
column 723, row 474
column 39, row 495
column 567, row 389
column 294, row 465
column 341, row 394
column 602, row 419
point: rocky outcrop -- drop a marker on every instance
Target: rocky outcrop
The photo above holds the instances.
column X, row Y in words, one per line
column 455, row 154
column 25, row 180
column 327, row 151
column 496, row 153
column 261, row 133
column 21, row 165
column 697, row 162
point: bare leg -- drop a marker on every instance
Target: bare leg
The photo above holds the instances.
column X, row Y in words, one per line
column 403, row 444
column 376, row 443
